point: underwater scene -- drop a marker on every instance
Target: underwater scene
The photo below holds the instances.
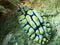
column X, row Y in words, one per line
column 29, row 22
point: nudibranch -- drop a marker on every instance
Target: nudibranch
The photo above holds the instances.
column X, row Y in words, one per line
column 34, row 23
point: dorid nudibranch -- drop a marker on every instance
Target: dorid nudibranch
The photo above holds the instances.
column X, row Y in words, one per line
column 34, row 23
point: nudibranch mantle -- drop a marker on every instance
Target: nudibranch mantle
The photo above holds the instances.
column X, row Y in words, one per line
column 34, row 24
